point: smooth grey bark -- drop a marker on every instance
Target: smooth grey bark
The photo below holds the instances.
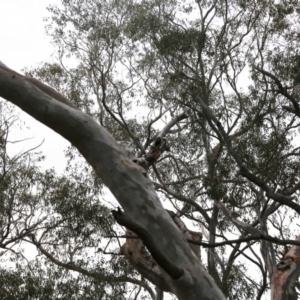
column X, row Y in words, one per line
column 134, row 251
column 125, row 179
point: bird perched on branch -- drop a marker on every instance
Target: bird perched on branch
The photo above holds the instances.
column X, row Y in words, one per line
column 151, row 157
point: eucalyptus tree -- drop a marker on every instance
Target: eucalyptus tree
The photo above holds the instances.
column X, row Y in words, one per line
column 203, row 96
column 39, row 207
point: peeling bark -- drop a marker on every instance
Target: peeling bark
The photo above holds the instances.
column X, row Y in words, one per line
column 125, row 179
column 142, row 261
column 137, row 254
column 287, row 273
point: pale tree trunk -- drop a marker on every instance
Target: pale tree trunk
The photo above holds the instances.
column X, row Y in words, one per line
column 143, row 212
column 137, row 255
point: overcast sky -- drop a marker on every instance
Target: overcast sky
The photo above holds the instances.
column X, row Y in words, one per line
column 23, row 43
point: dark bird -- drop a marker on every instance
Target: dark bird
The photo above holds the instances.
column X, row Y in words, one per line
column 151, row 157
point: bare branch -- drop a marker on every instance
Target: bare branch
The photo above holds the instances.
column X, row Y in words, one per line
column 125, row 180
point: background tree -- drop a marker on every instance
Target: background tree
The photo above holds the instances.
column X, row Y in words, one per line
column 218, row 80
column 41, row 209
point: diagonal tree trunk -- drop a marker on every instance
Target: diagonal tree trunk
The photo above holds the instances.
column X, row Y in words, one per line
column 143, row 212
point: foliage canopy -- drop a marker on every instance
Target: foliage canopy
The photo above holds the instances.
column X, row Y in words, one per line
column 230, row 69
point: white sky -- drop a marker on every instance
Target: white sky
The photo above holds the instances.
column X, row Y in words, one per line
column 23, row 40
column 23, row 43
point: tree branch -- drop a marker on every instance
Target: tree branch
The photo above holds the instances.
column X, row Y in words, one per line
column 96, row 275
column 124, row 178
